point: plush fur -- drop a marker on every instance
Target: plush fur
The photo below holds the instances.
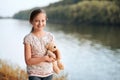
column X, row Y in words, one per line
column 52, row 51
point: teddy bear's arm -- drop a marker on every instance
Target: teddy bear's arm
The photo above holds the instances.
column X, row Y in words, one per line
column 51, row 54
column 58, row 54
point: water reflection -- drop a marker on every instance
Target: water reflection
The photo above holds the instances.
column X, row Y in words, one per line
column 88, row 52
column 106, row 35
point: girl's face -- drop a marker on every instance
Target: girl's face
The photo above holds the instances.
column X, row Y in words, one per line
column 39, row 22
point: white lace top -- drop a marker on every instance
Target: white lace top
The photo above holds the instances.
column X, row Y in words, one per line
column 42, row 69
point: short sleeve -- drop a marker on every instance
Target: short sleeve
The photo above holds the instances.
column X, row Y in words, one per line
column 26, row 40
column 52, row 37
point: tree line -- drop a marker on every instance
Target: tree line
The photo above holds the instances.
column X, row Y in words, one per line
column 80, row 12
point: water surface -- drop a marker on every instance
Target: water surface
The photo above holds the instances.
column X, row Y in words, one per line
column 88, row 53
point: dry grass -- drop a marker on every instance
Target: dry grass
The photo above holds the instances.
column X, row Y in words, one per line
column 14, row 72
column 8, row 72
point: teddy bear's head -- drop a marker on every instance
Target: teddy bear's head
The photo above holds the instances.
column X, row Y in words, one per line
column 51, row 46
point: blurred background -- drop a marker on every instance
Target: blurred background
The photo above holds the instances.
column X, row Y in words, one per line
column 86, row 31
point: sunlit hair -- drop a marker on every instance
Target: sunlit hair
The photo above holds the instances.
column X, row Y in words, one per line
column 34, row 13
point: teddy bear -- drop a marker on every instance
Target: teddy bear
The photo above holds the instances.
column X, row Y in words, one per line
column 52, row 51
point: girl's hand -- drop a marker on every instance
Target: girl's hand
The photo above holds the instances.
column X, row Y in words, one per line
column 49, row 59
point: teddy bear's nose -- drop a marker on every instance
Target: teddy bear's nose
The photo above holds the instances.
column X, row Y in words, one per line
column 54, row 46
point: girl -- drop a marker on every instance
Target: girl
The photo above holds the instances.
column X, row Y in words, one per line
column 38, row 68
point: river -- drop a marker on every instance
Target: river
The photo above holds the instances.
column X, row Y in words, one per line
column 88, row 53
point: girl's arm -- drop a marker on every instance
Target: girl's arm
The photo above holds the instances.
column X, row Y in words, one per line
column 34, row 60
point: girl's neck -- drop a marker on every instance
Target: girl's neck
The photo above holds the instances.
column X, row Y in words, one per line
column 39, row 33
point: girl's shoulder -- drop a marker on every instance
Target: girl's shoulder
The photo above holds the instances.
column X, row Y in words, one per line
column 28, row 36
column 49, row 34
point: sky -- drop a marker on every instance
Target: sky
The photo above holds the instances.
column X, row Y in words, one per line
column 9, row 7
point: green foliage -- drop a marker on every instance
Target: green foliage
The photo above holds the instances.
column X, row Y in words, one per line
column 64, row 2
column 93, row 12
column 23, row 14
column 81, row 11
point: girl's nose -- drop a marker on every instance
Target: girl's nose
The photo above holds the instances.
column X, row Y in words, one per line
column 40, row 22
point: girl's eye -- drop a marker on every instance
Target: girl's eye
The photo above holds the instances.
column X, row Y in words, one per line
column 43, row 20
column 40, row 20
column 36, row 20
